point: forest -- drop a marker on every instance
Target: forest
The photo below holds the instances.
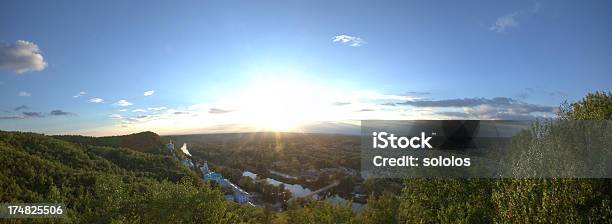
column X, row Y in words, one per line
column 131, row 179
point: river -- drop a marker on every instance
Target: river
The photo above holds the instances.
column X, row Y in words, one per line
column 298, row 191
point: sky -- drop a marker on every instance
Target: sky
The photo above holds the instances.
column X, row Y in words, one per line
column 176, row 67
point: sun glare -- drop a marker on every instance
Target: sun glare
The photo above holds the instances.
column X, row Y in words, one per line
column 283, row 105
column 279, row 104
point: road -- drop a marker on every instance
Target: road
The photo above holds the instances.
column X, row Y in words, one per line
column 335, row 183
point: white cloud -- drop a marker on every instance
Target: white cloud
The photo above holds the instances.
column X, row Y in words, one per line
column 80, row 94
column 511, row 20
column 507, row 21
column 115, row 116
column 123, row 110
column 22, row 56
column 349, row 40
column 367, row 94
column 96, row 100
column 123, row 103
column 24, row 93
column 148, row 93
column 139, row 111
column 157, row 108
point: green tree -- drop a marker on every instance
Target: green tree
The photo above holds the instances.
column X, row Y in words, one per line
column 433, row 200
column 381, row 209
column 109, row 185
column 320, row 212
column 594, row 106
column 557, row 200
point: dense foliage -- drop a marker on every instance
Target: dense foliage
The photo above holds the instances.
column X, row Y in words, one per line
column 522, row 200
column 150, row 165
column 559, row 200
column 143, row 141
column 102, row 184
column 594, row 106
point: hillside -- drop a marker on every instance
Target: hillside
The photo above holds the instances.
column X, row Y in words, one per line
column 100, row 184
column 144, row 141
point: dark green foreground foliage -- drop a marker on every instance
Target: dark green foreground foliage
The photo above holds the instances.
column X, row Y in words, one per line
column 556, row 200
column 559, row 200
column 103, row 183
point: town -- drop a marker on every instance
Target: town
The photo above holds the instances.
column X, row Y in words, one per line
column 248, row 179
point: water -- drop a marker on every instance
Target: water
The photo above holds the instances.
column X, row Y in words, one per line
column 339, row 200
column 300, row 191
column 295, row 189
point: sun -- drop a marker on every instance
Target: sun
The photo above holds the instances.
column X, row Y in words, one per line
column 282, row 105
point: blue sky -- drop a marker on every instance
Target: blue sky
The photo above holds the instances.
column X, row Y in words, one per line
column 218, row 66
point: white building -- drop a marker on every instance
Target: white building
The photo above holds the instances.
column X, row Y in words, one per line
column 241, row 196
column 188, row 163
column 204, row 168
column 213, row 176
column 170, row 147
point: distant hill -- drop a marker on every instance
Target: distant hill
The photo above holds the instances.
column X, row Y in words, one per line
column 148, row 142
column 250, row 136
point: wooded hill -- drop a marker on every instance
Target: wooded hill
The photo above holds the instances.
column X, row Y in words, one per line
column 101, row 181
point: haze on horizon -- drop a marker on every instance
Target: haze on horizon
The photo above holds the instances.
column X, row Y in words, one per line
column 116, row 67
